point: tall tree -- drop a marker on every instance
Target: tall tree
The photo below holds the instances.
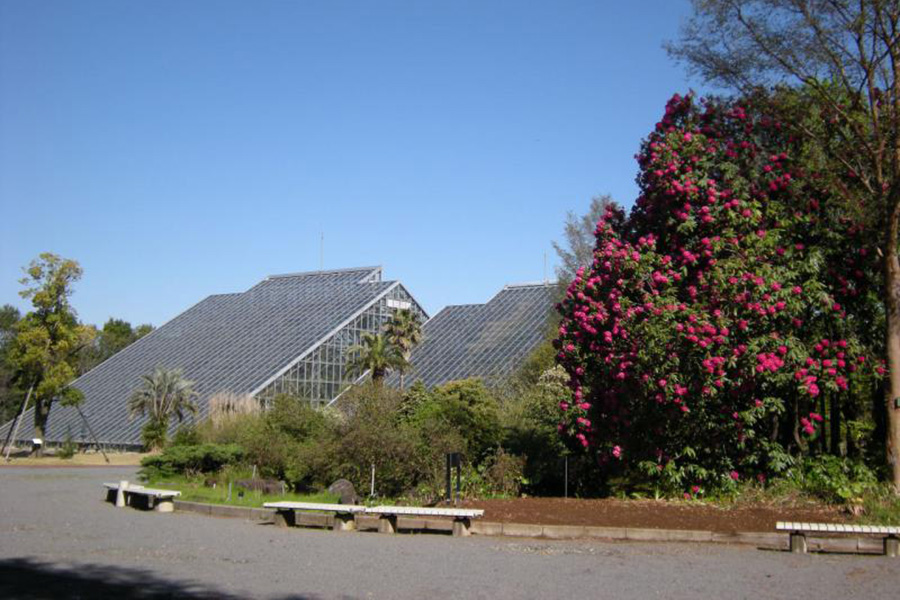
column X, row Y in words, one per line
column 847, row 54
column 404, row 332
column 375, row 355
column 115, row 336
column 9, row 317
column 48, row 339
column 578, row 248
column 163, row 394
column 10, row 393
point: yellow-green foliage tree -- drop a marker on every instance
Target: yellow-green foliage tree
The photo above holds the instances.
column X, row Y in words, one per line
column 44, row 352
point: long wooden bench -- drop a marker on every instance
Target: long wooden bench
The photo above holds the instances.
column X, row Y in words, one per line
column 462, row 517
column 343, row 515
column 798, row 531
column 123, row 494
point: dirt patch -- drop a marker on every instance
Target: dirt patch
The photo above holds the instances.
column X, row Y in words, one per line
column 651, row 514
column 117, row 459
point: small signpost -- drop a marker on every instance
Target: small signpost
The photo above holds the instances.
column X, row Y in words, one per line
column 453, row 460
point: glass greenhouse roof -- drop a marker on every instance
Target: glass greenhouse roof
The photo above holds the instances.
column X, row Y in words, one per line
column 487, row 341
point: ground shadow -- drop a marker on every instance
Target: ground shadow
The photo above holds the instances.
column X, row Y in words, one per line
column 30, row 579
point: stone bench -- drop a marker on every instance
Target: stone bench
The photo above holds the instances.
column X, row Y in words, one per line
column 462, row 517
column 340, row 517
column 798, row 531
column 123, row 494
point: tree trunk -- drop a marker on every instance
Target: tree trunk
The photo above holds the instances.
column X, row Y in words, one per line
column 835, row 422
column 850, row 414
column 41, row 413
column 892, row 291
column 776, row 430
column 822, row 437
column 795, row 429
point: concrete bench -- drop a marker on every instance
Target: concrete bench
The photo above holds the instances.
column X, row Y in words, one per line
column 798, row 531
column 340, row 517
column 462, row 517
column 123, row 494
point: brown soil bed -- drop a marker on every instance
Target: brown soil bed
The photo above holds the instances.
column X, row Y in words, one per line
column 652, row 514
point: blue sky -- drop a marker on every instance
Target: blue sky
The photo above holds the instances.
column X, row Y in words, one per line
column 181, row 149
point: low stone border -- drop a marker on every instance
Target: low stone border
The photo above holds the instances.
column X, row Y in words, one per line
column 770, row 541
column 225, row 511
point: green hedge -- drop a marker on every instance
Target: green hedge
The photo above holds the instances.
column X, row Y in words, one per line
column 188, row 460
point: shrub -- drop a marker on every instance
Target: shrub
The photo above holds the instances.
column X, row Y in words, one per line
column 529, row 416
column 714, row 321
column 231, row 430
column 293, row 442
column 499, row 474
column 311, row 465
column 68, row 448
column 154, row 434
column 467, row 408
column 191, row 460
column 296, row 418
column 503, row 473
column 834, row 479
column 404, row 435
column 186, row 435
column 881, row 506
column 374, row 434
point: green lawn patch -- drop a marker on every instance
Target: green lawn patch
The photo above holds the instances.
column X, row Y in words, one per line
column 194, row 490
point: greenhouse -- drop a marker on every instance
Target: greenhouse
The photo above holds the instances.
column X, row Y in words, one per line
column 486, row 341
column 287, row 334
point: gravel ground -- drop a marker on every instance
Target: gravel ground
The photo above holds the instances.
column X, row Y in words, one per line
column 59, row 539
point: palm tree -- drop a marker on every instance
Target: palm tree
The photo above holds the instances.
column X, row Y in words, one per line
column 163, row 393
column 404, row 331
column 375, row 355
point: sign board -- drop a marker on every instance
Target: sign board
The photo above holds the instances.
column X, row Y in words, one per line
column 401, row 304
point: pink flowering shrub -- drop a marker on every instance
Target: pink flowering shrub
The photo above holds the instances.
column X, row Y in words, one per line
column 718, row 316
